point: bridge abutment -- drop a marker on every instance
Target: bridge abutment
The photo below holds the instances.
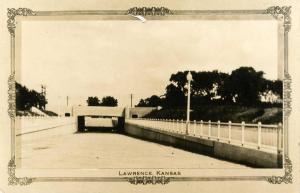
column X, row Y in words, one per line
column 80, row 123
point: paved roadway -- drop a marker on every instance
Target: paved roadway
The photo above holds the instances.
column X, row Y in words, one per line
column 62, row 147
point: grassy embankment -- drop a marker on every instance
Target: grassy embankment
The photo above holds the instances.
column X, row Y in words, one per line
column 32, row 113
column 224, row 113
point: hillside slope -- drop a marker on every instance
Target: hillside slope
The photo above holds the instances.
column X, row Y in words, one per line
column 36, row 112
column 223, row 113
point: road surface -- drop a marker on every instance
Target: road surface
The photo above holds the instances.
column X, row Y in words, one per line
column 62, row 147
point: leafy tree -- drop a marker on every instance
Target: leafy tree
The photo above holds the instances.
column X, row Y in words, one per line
column 109, row 101
column 243, row 86
column 174, row 97
column 22, row 95
column 208, row 83
column 179, row 80
column 93, row 101
column 142, row 103
column 152, row 101
column 205, row 86
column 277, row 87
column 25, row 98
column 42, row 101
column 272, row 88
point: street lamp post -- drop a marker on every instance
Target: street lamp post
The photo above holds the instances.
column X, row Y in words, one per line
column 189, row 79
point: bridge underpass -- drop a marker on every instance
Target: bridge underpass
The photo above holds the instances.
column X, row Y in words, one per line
column 99, row 118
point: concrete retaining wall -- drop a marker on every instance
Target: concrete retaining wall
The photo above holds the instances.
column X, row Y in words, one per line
column 250, row 157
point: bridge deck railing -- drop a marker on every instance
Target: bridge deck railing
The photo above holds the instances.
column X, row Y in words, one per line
column 260, row 136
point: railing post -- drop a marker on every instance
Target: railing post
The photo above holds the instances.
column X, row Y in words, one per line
column 167, row 125
column 195, row 124
column 219, row 130
column 229, row 131
column 279, row 138
column 161, row 123
column 209, row 129
column 158, row 123
column 243, row 132
column 152, row 125
column 201, row 128
column 259, row 135
column 177, row 126
column 172, row 128
column 182, row 126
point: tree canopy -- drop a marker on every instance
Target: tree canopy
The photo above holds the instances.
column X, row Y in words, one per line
column 106, row 101
column 93, row 101
column 109, row 101
column 152, row 101
column 243, row 86
column 26, row 98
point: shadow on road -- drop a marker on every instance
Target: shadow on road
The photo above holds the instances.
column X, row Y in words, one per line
column 99, row 130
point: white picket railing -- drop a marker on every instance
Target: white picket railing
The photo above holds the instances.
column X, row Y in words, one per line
column 259, row 136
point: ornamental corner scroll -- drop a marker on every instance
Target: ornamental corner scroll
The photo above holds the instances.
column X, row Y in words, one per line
column 12, row 179
column 12, row 13
column 287, row 178
column 281, row 12
column 144, row 11
column 144, row 180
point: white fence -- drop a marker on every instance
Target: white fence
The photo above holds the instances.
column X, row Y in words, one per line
column 263, row 137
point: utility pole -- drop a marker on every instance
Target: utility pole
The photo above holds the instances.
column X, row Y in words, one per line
column 43, row 90
column 43, row 93
column 131, row 96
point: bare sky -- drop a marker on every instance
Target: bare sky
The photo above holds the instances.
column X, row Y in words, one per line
column 98, row 58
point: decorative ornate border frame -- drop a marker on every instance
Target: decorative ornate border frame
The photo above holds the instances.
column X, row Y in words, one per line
column 279, row 13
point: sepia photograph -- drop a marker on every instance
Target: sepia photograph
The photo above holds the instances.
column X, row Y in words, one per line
column 162, row 93
column 160, row 96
